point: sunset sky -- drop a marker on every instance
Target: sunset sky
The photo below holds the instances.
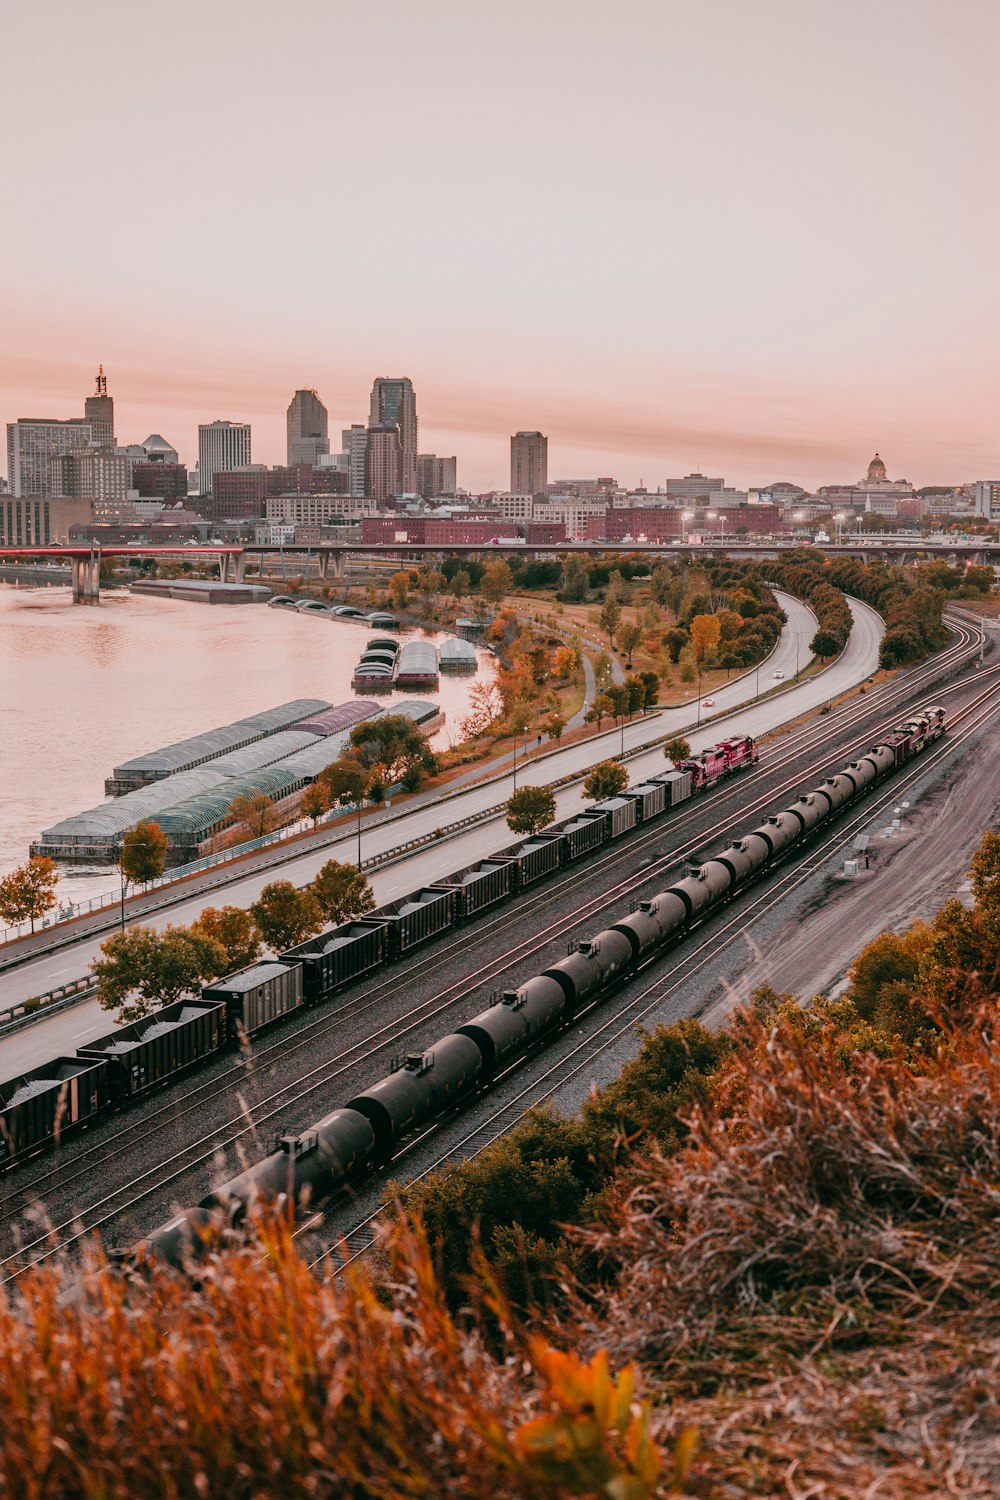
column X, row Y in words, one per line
column 756, row 237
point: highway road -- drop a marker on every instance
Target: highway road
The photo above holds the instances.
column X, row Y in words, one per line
column 69, row 1029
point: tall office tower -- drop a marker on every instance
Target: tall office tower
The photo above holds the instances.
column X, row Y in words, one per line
column 436, row 476
column 354, row 443
column 529, row 463
column 394, row 402
column 99, row 411
column 93, row 474
column 383, row 461
column 221, row 446
column 307, row 428
column 32, row 444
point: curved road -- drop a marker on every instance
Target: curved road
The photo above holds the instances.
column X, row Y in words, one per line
column 67, row 1030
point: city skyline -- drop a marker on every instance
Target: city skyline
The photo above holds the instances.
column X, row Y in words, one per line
column 757, row 240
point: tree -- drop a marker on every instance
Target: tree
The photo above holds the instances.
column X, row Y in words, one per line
column 314, row 802
column 675, row 639
column 393, row 742
column 531, row 809
column 602, row 708
column 574, row 579
column 659, row 583
column 677, row 749
column 143, row 970
column 28, row 892
column 286, row 916
column 651, row 688
column 610, row 618
column 823, row 644
column 461, row 583
column 496, row 582
column 144, row 853
column 485, row 705
column 603, row 670
column 688, row 665
column 342, row 892
column 705, row 633
column 235, row 932
column 629, row 636
column 399, row 589
column 554, row 726
column 606, row 780
column 254, row 812
column 564, row 662
column 344, row 781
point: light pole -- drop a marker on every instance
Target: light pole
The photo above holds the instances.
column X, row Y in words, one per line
column 360, row 801
column 686, row 516
column 839, row 518
column 515, row 763
column 796, row 658
column 757, row 689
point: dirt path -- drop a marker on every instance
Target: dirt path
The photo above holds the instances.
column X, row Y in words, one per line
column 910, row 877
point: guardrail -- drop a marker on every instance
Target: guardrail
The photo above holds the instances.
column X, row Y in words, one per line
column 63, row 996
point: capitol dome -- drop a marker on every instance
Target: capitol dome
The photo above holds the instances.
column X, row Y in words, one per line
column 876, row 470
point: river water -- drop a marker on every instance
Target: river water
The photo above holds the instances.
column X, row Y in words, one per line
column 84, row 688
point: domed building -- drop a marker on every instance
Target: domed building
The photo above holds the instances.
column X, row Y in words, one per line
column 876, row 493
column 876, row 471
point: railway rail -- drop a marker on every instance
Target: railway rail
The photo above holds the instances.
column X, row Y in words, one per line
column 110, row 1207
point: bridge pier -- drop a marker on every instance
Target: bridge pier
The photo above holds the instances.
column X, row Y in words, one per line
column 232, row 567
column 87, row 578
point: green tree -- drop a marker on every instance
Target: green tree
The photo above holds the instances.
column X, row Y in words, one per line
column 393, row 742
column 688, row 665
column 461, row 583
column 574, row 578
column 677, row 749
column 605, row 780
column 28, row 892
column 342, row 892
column 496, row 582
column 675, row 640
column 344, row 781
column 286, row 916
column 554, row 726
column 629, row 636
column 823, row 644
column 610, row 618
column 314, row 802
column 142, row 969
column 144, row 853
column 602, row 708
column 253, row 812
column 235, row 932
column 531, row 809
column 651, row 688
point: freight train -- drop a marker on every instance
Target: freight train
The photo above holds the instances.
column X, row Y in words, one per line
column 364, row 1134
column 67, row 1093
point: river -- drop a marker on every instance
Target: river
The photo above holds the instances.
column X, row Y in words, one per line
column 84, row 688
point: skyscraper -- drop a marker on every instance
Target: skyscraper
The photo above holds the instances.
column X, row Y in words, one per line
column 529, row 463
column 354, row 444
column 394, row 403
column 383, row 461
column 99, row 411
column 307, row 429
column 436, row 476
column 221, row 445
column 32, row 443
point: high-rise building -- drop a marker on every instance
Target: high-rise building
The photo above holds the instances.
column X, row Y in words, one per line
column 394, row 403
column 307, row 425
column 221, row 446
column 32, row 444
column 99, row 411
column 436, row 476
column 36, row 521
column 354, row 442
column 383, row 461
column 695, row 487
column 986, row 493
column 161, row 481
column 529, row 463
column 95, row 474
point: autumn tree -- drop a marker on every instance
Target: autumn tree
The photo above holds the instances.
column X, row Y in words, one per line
column 143, row 969
column 285, row 915
column 144, row 853
column 399, row 589
column 554, row 726
column 610, row 619
column 344, row 781
column 461, row 583
column 253, row 812
column 496, row 582
column 314, row 802
column 342, row 892
column 603, row 670
column 235, row 932
column 629, row 636
column 606, row 780
column 531, row 809
column 677, row 749
column 705, row 633
column 485, row 706
column 602, row 708
column 28, row 892
column 563, row 662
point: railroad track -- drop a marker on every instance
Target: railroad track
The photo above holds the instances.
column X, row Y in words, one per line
column 244, row 1129
column 358, row 1240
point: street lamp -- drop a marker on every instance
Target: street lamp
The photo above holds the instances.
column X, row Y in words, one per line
column 686, row 515
column 840, row 519
column 757, row 689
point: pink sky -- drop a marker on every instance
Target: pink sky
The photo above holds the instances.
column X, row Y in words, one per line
column 761, row 239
